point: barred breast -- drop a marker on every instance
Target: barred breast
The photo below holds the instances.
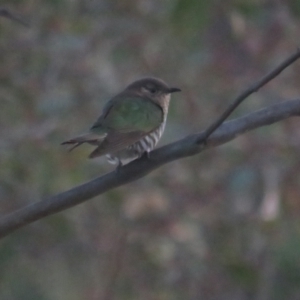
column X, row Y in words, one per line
column 146, row 144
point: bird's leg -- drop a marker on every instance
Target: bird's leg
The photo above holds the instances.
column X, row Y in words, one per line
column 119, row 166
column 146, row 155
column 204, row 143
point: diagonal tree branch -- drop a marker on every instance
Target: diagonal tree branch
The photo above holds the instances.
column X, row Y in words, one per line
column 252, row 89
column 216, row 134
column 4, row 12
column 185, row 147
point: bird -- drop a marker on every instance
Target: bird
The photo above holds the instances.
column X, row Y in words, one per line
column 131, row 123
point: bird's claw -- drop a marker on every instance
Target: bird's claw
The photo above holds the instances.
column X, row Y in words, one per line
column 119, row 166
column 146, row 155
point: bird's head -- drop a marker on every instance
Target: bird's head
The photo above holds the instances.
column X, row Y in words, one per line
column 152, row 88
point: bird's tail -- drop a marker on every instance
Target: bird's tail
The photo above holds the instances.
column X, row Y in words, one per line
column 90, row 138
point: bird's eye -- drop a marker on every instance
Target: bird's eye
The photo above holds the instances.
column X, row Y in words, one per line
column 152, row 90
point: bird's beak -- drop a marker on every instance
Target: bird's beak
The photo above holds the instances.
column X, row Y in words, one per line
column 174, row 90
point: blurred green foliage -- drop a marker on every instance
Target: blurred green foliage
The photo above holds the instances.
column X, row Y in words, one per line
column 221, row 225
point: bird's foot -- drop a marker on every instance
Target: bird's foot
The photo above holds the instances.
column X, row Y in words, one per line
column 204, row 143
column 119, row 166
column 145, row 155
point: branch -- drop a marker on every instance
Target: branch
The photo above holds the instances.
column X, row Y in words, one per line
column 216, row 134
column 4, row 12
column 139, row 168
column 252, row 89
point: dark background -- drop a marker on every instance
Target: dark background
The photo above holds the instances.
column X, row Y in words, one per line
column 220, row 225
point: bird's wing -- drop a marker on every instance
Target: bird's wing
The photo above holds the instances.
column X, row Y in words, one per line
column 116, row 141
column 126, row 120
column 129, row 114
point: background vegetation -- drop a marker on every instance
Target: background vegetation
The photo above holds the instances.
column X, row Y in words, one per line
column 221, row 225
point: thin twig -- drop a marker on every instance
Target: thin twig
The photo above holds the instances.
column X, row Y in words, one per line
column 252, row 89
column 141, row 167
column 4, row 12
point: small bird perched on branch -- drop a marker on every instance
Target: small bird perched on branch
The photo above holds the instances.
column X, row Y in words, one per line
column 131, row 123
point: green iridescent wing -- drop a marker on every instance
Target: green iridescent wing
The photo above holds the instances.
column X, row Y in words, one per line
column 129, row 114
column 126, row 120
